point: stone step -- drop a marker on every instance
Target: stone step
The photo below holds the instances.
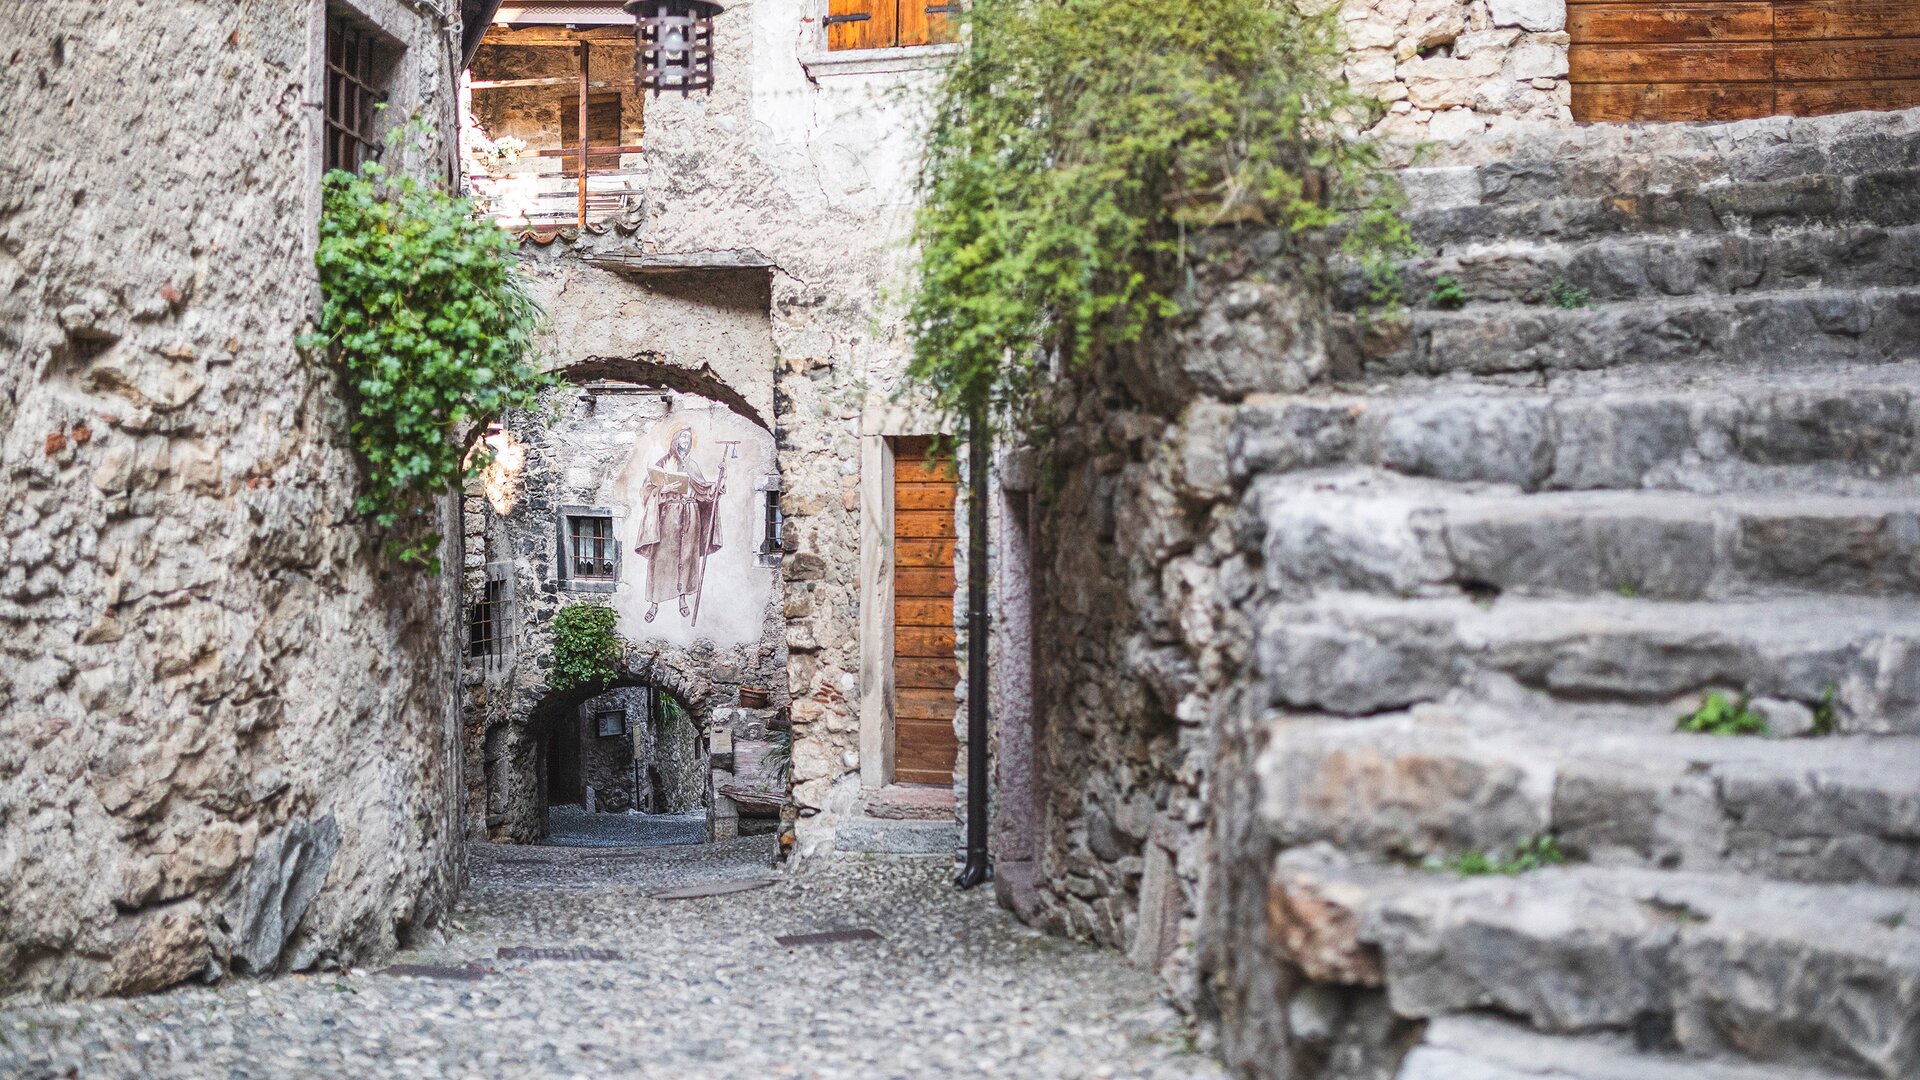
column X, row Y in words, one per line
column 1363, row 530
column 1723, row 205
column 1552, row 161
column 1754, row 331
column 1525, row 271
column 1825, row 430
column 1485, row 1048
column 1443, row 780
column 1807, row 976
column 1359, row 654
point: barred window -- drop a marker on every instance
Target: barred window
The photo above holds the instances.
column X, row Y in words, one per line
column 592, row 552
column 484, row 627
column 358, row 66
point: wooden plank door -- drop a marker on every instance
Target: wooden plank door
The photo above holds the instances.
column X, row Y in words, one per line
column 925, row 671
column 1738, row 59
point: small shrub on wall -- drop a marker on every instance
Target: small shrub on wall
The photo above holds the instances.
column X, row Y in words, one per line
column 1075, row 147
column 586, row 651
column 425, row 315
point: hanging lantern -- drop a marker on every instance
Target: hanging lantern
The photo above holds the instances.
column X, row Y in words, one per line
column 673, row 49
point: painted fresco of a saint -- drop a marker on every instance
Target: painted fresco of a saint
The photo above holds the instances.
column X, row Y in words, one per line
column 679, row 526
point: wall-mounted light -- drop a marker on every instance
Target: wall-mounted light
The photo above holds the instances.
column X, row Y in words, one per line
column 673, row 46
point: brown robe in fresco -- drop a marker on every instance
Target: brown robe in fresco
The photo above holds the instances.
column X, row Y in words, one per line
column 679, row 524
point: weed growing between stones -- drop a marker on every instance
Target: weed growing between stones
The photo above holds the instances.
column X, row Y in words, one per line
column 585, row 647
column 1568, row 296
column 1825, row 717
column 1447, row 294
column 1076, row 147
column 424, row 312
column 1719, row 716
column 1535, row 854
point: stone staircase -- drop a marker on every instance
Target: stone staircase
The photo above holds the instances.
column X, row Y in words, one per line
column 1669, row 445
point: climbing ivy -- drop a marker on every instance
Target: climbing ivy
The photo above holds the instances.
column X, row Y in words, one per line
column 585, row 648
column 424, row 313
column 1075, row 148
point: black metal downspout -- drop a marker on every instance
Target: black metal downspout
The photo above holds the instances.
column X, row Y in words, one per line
column 977, row 869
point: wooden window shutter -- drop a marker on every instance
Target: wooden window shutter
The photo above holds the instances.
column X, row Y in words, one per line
column 925, row 22
column 862, row 24
column 603, row 129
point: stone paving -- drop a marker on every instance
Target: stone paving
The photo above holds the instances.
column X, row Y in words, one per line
column 953, row 987
column 572, row 826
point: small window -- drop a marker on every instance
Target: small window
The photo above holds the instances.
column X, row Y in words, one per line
column 589, row 549
column 610, row 722
column 484, row 628
column 771, row 521
column 593, row 551
column 358, row 66
column 888, row 24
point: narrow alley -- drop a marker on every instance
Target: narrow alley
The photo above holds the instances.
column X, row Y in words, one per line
column 631, row 982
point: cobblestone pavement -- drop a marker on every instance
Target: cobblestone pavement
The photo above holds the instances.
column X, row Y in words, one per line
column 699, row 988
column 572, row 826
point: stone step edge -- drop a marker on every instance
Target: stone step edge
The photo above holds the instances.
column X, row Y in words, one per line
column 1474, row 1047
column 1719, row 960
column 1666, row 306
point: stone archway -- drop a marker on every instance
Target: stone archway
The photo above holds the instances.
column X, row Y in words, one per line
column 576, row 464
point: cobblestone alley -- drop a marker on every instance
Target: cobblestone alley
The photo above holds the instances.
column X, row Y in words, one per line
column 953, row 987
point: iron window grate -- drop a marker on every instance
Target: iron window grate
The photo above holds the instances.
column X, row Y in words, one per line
column 352, row 92
column 592, row 548
column 483, row 630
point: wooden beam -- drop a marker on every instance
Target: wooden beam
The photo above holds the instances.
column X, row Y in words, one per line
column 508, row 84
column 554, row 35
column 596, row 151
column 639, row 263
column 584, row 137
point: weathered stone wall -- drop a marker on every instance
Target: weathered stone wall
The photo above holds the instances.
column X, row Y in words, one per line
column 1142, row 591
column 227, row 721
column 1448, row 70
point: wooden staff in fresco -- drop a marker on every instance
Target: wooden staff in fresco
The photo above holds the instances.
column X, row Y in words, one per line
column 729, row 449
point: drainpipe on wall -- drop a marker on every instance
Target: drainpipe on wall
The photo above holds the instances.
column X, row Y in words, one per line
column 977, row 870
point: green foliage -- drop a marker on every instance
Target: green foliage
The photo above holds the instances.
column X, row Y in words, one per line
column 1534, row 854
column 1075, row 148
column 1719, row 716
column 1825, row 717
column 1447, row 294
column 424, row 312
column 585, row 648
column 1565, row 294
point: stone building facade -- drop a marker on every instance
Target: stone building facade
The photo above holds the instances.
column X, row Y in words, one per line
column 758, row 266
column 230, row 721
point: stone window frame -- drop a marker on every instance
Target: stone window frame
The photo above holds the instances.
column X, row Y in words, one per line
column 769, row 554
column 563, row 548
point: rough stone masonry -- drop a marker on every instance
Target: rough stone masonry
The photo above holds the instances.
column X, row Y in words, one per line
column 227, row 721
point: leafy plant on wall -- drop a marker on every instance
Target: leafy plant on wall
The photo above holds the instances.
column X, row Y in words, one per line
column 424, row 312
column 1077, row 145
column 586, row 651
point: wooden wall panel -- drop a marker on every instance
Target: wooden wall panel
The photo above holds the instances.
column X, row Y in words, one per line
column 1647, row 24
column 1628, row 102
column 1634, row 60
column 1745, row 61
column 1814, row 20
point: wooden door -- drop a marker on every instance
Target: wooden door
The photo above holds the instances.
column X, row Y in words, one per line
column 924, row 669
column 1738, row 59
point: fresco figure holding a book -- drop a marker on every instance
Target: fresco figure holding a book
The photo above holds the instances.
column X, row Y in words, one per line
column 679, row 526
